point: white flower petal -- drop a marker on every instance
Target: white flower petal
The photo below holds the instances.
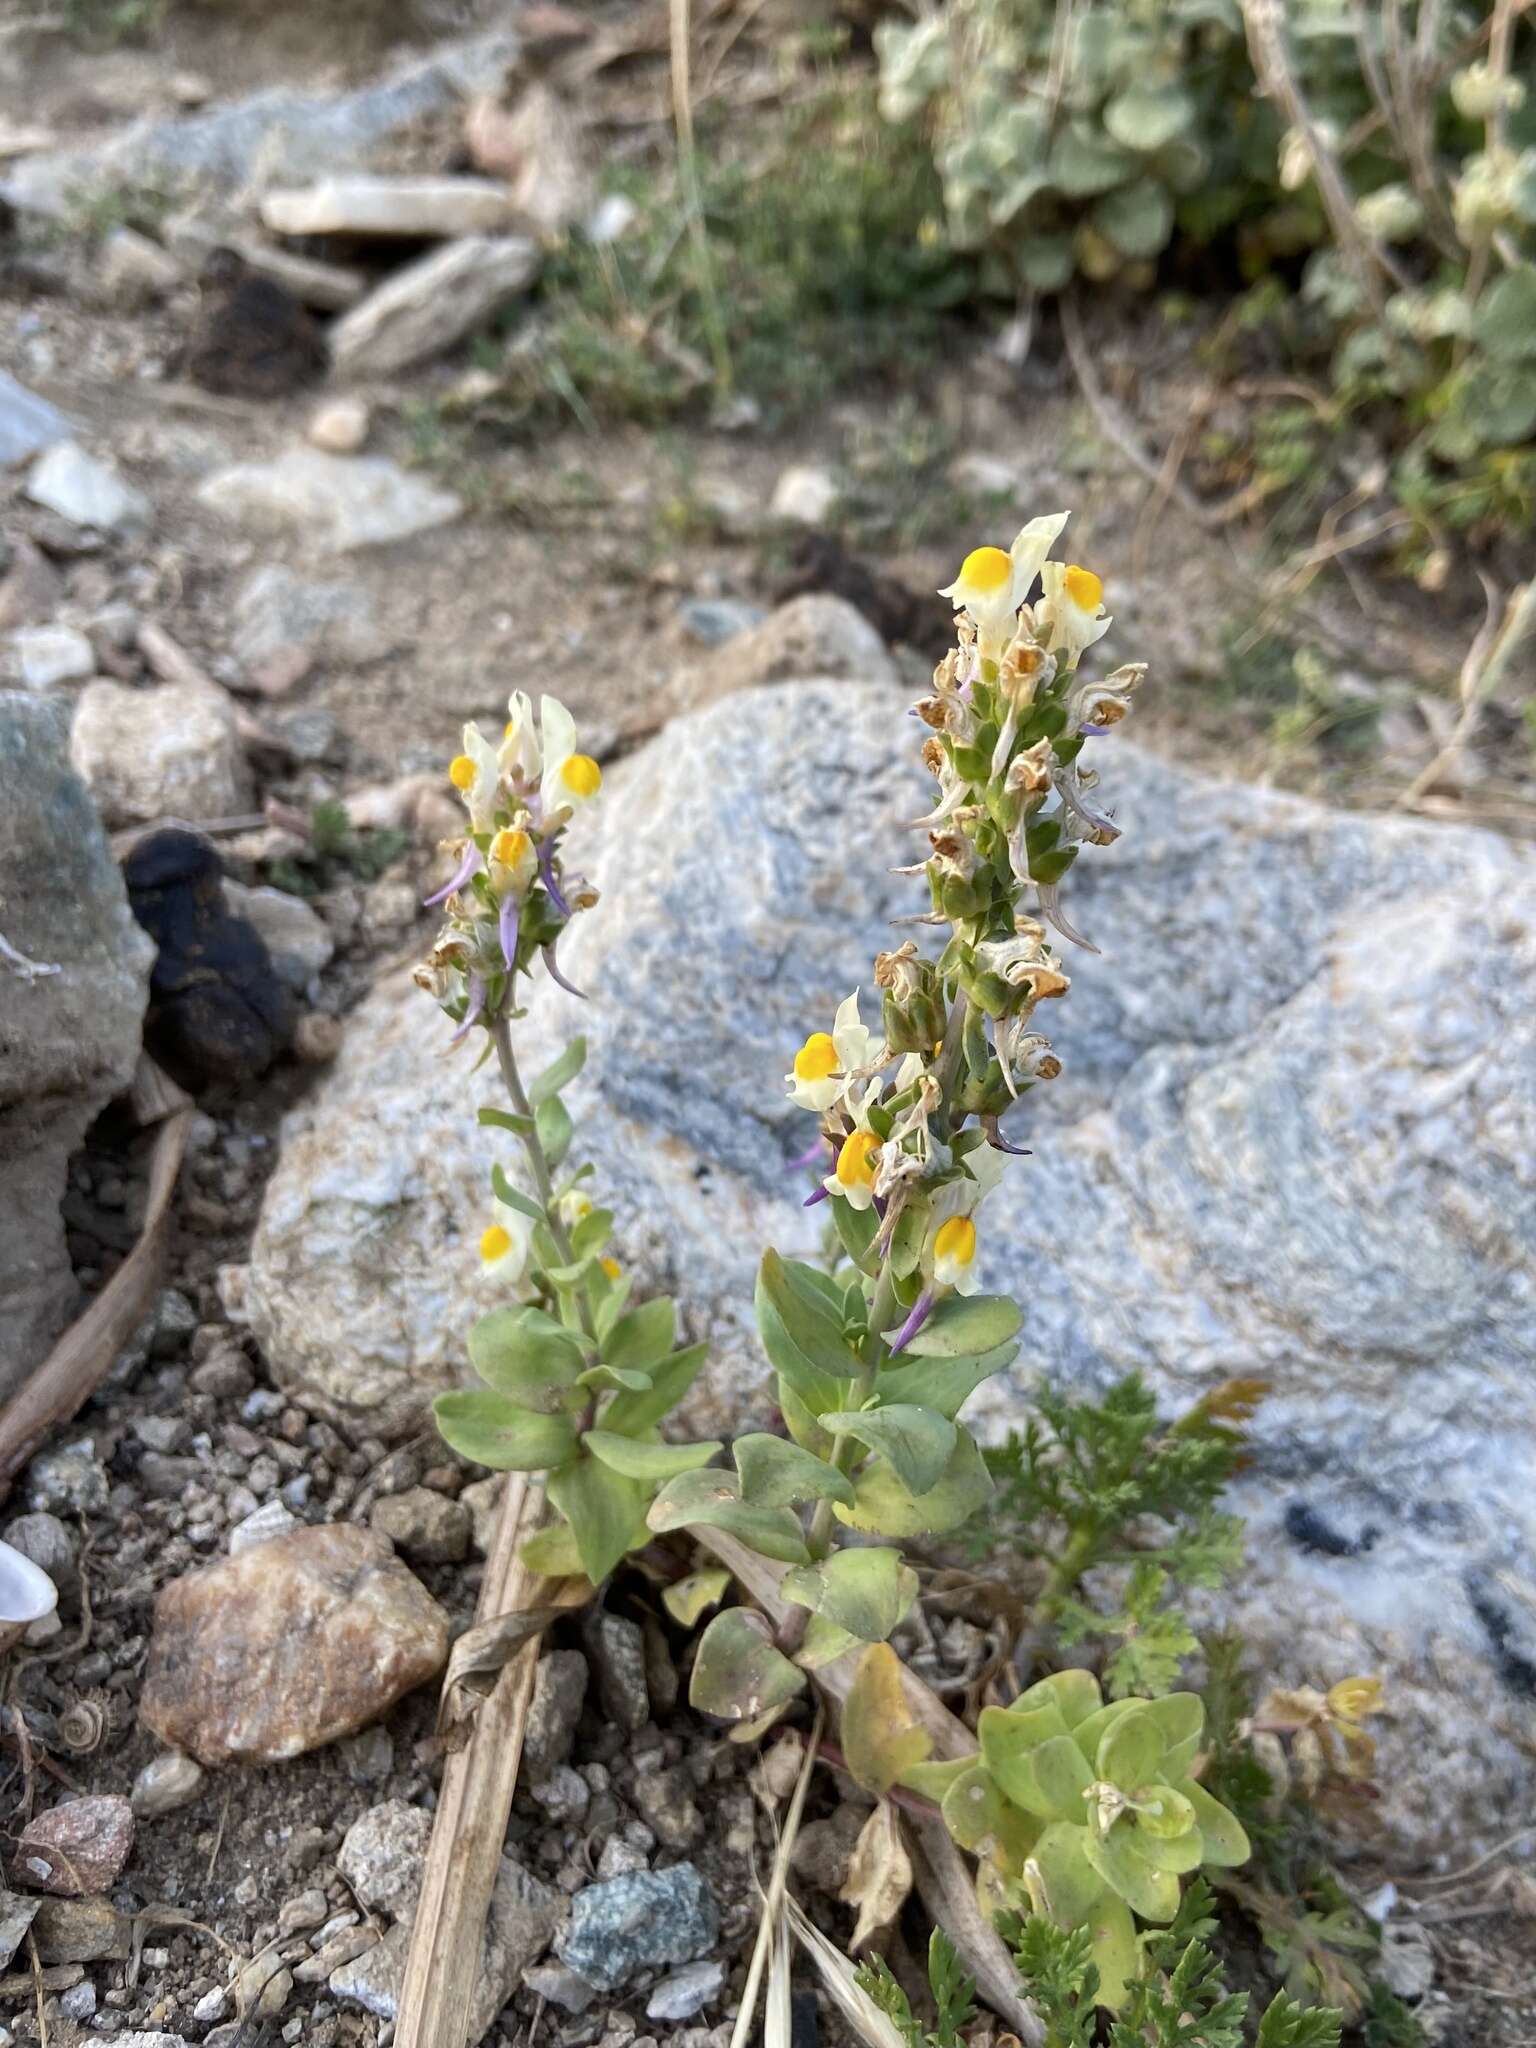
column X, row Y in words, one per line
column 1030, row 548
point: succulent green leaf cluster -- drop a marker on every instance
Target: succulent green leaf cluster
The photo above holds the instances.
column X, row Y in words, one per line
column 1086, row 1812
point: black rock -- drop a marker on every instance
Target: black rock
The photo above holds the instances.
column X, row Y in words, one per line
column 253, row 338
column 217, row 1009
column 900, row 615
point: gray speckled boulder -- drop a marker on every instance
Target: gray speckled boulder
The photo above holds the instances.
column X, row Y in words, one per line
column 1296, row 1137
column 69, row 1038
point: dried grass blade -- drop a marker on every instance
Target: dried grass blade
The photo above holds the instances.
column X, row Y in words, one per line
column 771, row 1922
column 839, row 1977
column 84, row 1355
column 464, row 1857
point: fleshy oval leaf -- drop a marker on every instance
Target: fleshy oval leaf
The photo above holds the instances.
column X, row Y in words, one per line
column 915, row 1442
column 967, row 1325
column 778, row 1474
column 653, row 1461
column 866, row 1592
column 738, row 1674
column 494, row 1431
column 712, row 1499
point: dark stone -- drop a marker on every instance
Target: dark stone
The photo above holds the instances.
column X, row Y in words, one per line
column 901, row 615
column 253, row 338
column 1311, row 1531
column 217, row 1009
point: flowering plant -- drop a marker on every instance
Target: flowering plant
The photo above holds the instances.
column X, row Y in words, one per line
column 1076, row 1807
column 575, row 1378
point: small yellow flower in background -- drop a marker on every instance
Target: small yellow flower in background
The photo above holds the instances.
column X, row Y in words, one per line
column 505, row 1244
column 825, row 1062
column 612, row 1268
column 1353, row 1698
column 514, row 861
column 570, row 779
column 1071, row 609
column 817, row 1058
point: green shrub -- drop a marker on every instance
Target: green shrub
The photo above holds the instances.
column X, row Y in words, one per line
column 1396, row 164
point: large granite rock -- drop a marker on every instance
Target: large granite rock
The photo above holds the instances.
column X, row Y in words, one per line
column 69, row 1036
column 1296, row 1137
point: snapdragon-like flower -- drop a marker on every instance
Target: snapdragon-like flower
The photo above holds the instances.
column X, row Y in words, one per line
column 952, row 1239
column 829, row 1060
column 858, row 1161
column 506, row 1242
column 569, row 779
column 1072, row 609
column 507, row 897
column 992, row 583
column 476, row 775
column 520, row 752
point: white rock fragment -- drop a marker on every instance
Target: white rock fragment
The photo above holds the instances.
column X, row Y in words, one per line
column 422, row 310
column 85, row 489
column 804, row 493
column 334, row 502
column 166, row 1784
column 340, row 427
column 401, row 208
column 298, row 939
column 133, row 269
column 46, row 655
column 169, row 752
column 270, row 1519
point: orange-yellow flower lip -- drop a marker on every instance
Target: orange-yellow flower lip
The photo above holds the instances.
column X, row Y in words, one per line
column 817, row 1058
column 986, row 571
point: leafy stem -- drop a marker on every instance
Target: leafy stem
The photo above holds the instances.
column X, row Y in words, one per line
column 538, row 1159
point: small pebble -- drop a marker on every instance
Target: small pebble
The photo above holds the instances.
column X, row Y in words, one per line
column 166, row 1783
column 686, row 1992
column 340, row 427
column 79, row 2001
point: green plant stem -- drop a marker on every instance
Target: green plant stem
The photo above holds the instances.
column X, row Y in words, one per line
column 537, row 1157
column 950, row 1059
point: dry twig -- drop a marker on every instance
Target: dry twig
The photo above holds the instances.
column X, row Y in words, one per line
column 84, row 1355
column 1486, row 664
column 464, row 1857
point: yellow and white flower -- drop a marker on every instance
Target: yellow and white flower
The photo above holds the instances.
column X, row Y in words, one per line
column 1071, row 611
column 993, row 583
column 954, row 1255
column 476, row 775
column 513, row 861
column 506, row 1242
column 569, row 779
column 828, row 1059
column 952, row 1244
